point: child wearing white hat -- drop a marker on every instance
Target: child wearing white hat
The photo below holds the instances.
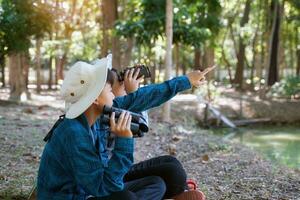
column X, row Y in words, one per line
column 75, row 163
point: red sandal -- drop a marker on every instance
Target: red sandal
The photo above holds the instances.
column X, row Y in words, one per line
column 192, row 185
column 192, row 193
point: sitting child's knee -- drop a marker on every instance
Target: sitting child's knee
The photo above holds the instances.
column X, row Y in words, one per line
column 159, row 182
column 172, row 159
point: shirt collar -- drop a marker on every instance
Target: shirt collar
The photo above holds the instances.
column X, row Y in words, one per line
column 83, row 120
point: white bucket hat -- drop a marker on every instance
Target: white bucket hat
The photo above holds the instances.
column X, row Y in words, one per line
column 82, row 85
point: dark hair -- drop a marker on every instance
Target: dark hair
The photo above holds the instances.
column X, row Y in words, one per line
column 114, row 70
column 110, row 77
column 116, row 75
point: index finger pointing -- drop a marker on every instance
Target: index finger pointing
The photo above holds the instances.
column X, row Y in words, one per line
column 208, row 70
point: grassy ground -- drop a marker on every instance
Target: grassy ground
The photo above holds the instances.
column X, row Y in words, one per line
column 22, row 130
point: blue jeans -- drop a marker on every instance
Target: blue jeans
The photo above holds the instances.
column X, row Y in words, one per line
column 147, row 188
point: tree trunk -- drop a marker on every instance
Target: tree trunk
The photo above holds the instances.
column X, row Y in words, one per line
column 281, row 59
column 60, row 70
column 2, row 64
column 128, row 52
column 177, row 57
column 292, row 48
column 139, row 54
column 151, row 65
column 116, row 50
column 105, row 43
column 233, row 40
column 197, row 57
column 17, row 85
column 110, row 12
column 160, row 68
column 297, row 52
column 208, row 61
column 228, row 66
column 209, row 57
column 25, row 60
column 50, row 72
column 116, row 61
column 38, row 65
column 227, row 63
column 183, row 69
column 274, row 42
column 281, row 45
column 153, row 73
column 298, row 62
column 239, row 75
column 110, row 15
column 68, row 30
column 253, row 58
column 56, row 69
column 168, row 59
column 265, row 25
column 183, row 64
column 56, row 58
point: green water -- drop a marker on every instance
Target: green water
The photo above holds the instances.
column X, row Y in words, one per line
column 279, row 144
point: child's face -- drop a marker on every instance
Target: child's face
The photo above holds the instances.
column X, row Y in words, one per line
column 118, row 87
column 106, row 97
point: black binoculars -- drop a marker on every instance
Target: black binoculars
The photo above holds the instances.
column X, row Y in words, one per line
column 144, row 71
column 138, row 126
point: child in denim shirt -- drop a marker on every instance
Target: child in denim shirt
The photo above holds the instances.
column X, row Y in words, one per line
column 75, row 164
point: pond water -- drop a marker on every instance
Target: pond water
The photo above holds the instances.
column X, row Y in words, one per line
column 279, row 144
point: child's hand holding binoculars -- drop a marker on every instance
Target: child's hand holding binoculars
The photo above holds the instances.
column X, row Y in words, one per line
column 121, row 128
column 131, row 80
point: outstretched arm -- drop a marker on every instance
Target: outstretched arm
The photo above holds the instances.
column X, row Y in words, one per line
column 156, row 94
column 152, row 95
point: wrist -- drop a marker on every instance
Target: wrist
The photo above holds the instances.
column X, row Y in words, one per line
column 130, row 89
column 127, row 134
column 189, row 76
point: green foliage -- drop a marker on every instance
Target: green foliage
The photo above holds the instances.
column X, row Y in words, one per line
column 185, row 29
column 194, row 22
column 84, row 46
column 293, row 20
column 21, row 19
column 145, row 23
column 287, row 87
column 295, row 4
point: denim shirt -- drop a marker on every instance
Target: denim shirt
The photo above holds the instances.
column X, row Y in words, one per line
column 75, row 162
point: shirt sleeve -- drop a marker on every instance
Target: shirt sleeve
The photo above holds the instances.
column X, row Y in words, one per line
column 88, row 169
column 152, row 95
column 145, row 117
